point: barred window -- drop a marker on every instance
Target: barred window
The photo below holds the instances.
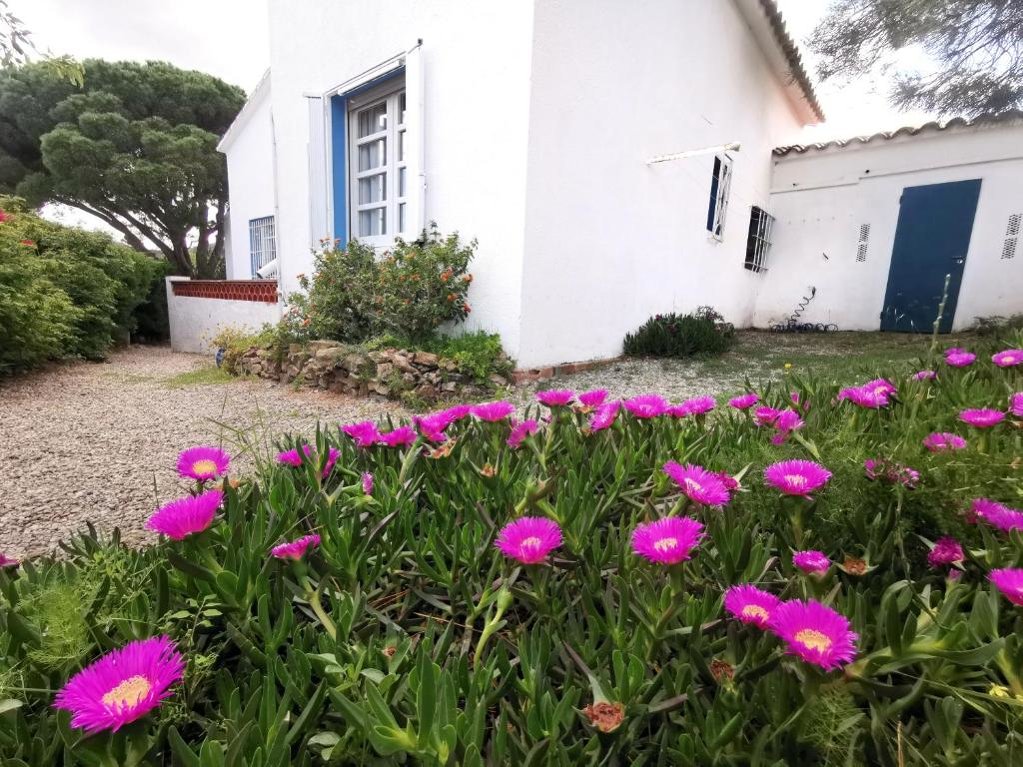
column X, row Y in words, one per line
column 758, row 241
column 262, row 242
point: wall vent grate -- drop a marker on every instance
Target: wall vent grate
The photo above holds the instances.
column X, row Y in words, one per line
column 1011, row 235
column 861, row 245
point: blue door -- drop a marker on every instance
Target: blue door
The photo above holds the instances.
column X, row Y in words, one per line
column 931, row 240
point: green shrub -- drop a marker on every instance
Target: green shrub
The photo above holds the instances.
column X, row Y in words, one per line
column 151, row 320
column 673, row 335
column 64, row 292
column 477, row 354
column 342, row 296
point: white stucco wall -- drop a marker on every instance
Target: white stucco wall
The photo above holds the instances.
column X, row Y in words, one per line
column 820, row 199
column 475, row 59
column 193, row 321
column 249, row 147
column 611, row 241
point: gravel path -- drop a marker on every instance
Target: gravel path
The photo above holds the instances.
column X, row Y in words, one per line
column 99, row 441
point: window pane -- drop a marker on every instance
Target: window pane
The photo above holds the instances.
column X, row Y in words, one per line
column 372, row 120
column 372, row 222
column 373, row 189
column 401, row 217
column 401, row 182
column 401, row 146
column 373, row 154
column 401, row 108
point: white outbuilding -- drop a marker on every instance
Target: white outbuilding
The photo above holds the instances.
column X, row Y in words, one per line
column 614, row 160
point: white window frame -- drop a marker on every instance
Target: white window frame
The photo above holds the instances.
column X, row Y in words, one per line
column 724, row 184
column 759, row 239
column 389, row 93
column 262, row 243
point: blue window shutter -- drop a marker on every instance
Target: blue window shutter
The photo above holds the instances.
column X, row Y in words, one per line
column 339, row 159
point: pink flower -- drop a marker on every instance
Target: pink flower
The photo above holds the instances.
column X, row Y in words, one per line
column 203, row 462
column 493, row 411
column 925, row 375
column 520, row 431
column 364, row 433
column 432, row 426
column 1008, row 358
column 667, row 541
column 815, row 633
column 529, row 539
column 604, row 416
column 694, row 406
column 751, row 605
column 456, row 413
column 698, row 484
column 946, row 551
column 880, row 386
column 1016, row 404
column 765, row 416
column 981, row 418
column 894, row 473
column 403, row 435
column 811, row 562
column 122, row 686
column 367, row 483
column 293, row 459
column 6, row 561
column 786, row 423
column 796, row 477
column 959, row 358
column 646, row 405
column 555, row 397
column 941, row 441
column 186, row 516
column 997, row 515
column 866, row 397
column 296, row 549
column 593, row 398
column 744, row 402
column 730, row 482
column 1009, row 581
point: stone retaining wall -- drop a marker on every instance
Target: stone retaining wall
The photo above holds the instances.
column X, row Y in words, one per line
column 387, row 373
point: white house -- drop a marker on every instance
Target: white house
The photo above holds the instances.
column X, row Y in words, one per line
column 613, row 158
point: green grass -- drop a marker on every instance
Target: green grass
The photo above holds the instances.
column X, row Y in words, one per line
column 209, row 376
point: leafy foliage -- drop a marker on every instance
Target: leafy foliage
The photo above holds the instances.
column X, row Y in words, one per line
column 407, row 638
column 673, row 335
column 977, row 47
column 64, row 292
column 133, row 144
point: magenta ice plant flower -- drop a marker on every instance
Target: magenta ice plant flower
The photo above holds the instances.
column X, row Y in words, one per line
column 522, row 430
column 925, row 375
column 1009, row 580
column 959, row 358
column 555, row 397
column 815, row 633
column 698, row 484
column 293, row 459
column 865, row 397
column 593, row 398
column 694, row 406
column 811, row 562
column 296, row 549
column 796, row 477
column 367, row 483
column 6, row 561
column 946, row 551
column 646, row 405
column 1016, row 404
column 529, row 539
column 744, row 402
column 787, row 422
column 1008, row 358
column 667, row 541
column 604, row 416
column 997, row 515
column 186, row 516
column 203, row 462
column 400, row 437
column 749, row 604
column 365, row 433
column 122, row 686
column 765, row 416
column 493, row 411
column 941, row 441
column 981, row 418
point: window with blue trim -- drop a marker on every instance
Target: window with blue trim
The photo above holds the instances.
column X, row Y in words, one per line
column 262, row 242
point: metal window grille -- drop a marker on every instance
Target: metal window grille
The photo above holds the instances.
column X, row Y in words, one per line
column 1012, row 235
column 262, row 242
column 720, row 181
column 758, row 241
column 861, row 245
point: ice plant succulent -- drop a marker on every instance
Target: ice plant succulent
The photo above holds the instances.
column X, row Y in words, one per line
column 744, row 402
column 959, row 358
column 1009, row 580
column 203, row 462
column 1008, row 358
column 294, row 459
column 765, row 416
column 997, row 515
column 122, row 686
column 787, row 422
column 296, row 549
column 604, row 416
column 924, row 375
column 889, row 471
column 811, row 562
column 815, row 633
column 400, row 437
column 698, row 484
column 520, row 431
column 493, row 411
column 6, row 561
column 941, row 441
column 796, row 477
column 866, row 396
column 367, row 483
column 981, row 418
column 593, row 398
column 667, row 541
column 529, row 539
column 555, row 397
column 365, row 433
column 751, row 605
column 694, row 406
column 646, row 405
column 1016, row 404
column 186, row 516
column 946, row 551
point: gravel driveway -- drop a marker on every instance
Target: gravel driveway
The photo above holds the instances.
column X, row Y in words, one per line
column 99, row 441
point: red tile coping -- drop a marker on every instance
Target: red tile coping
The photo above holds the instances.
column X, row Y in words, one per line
column 544, row 373
column 264, row 291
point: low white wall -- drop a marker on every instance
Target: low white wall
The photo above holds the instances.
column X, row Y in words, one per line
column 193, row 321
